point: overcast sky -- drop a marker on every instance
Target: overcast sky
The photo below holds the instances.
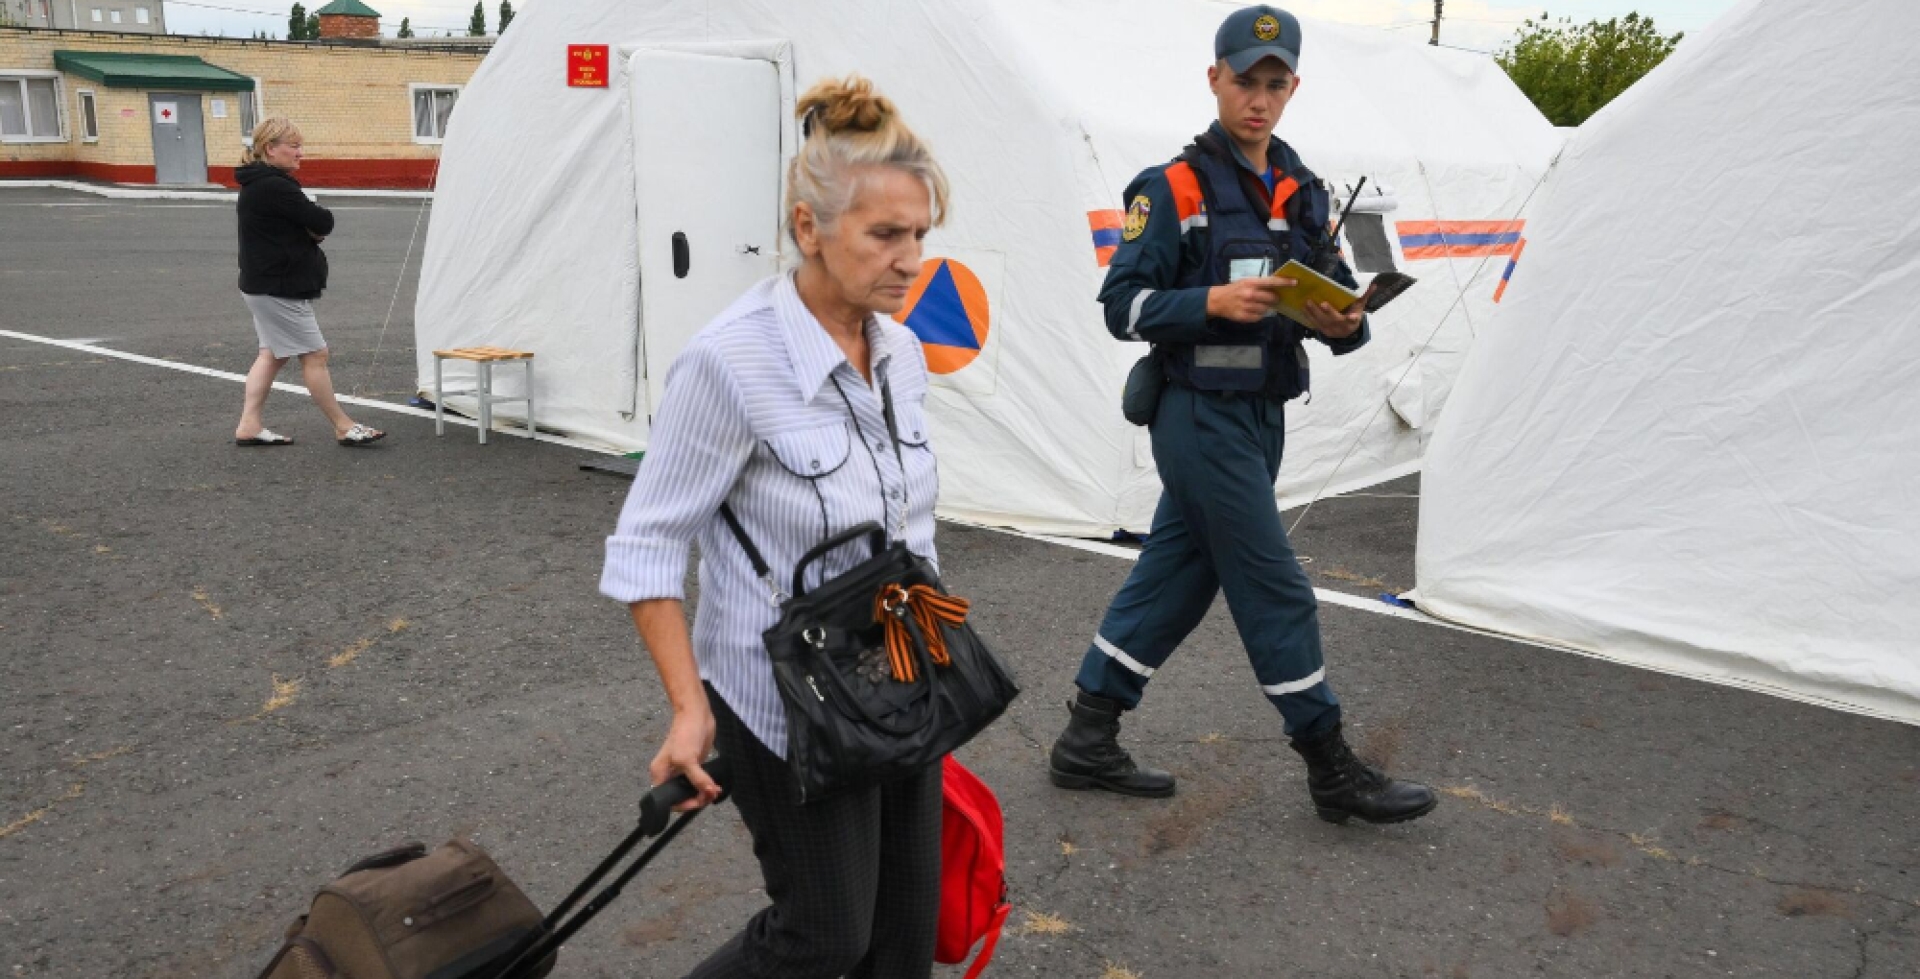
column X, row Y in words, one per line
column 1484, row 24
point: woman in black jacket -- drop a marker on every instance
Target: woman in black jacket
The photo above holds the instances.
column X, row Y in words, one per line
column 282, row 271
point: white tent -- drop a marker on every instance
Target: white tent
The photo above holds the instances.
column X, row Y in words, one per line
column 600, row 227
column 1691, row 438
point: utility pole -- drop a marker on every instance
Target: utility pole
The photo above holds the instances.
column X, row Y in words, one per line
column 1437, row 4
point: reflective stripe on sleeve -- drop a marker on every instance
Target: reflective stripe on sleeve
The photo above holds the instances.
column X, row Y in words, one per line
column 1133, row 316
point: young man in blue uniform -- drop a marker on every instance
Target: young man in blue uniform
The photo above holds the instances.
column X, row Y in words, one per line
column 1193, row 276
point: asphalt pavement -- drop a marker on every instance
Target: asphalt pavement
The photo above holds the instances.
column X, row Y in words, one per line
column 227, row 673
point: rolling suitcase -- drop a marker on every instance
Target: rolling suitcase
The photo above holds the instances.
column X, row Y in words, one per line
column 452, row 913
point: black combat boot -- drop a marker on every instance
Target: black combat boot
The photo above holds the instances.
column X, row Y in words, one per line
column 1088, row 754
column 1343, row 786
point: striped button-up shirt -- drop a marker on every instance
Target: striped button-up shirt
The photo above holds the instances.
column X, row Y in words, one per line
column 764, row 412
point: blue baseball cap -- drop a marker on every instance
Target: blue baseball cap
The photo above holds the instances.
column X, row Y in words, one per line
column 1253, row 33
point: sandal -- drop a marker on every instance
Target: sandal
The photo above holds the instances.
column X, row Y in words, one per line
column 361, row 435
column 266, row 437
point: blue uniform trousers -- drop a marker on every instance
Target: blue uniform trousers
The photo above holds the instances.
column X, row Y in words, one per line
column 1217, row 529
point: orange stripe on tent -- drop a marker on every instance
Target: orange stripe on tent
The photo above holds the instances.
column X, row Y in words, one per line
column 1105, row 255
column 1409, row 228
column 1105, row 220
column 1507, row 276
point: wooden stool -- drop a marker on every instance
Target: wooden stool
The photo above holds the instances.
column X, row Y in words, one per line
column 484, row 358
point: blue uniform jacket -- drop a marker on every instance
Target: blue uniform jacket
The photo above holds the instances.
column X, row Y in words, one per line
column 1140, row 294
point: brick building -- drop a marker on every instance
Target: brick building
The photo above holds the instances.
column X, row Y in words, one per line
column 129, row 16
column 178, row 110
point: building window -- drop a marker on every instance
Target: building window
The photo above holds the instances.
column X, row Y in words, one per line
column 30, row 109
column 89, row 119
column 97, row 16
column 115, row 15
column 140, row 15
column 248, row 117
column 432, row 106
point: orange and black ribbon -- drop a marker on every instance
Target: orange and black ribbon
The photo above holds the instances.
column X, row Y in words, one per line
column 930, row 610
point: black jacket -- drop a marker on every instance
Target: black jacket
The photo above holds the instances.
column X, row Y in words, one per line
column 278, row 256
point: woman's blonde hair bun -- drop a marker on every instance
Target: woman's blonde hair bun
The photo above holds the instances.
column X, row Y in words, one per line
column 846, row 105
column 847, row 126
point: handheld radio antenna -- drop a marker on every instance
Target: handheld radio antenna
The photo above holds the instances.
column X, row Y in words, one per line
column 1348, row 210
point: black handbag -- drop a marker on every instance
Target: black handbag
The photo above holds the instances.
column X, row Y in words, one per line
column 879, row 669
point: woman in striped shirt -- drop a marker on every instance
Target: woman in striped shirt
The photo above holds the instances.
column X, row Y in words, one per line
column 776, row 408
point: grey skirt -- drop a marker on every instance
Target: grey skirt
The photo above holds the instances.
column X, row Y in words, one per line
column 285, row 326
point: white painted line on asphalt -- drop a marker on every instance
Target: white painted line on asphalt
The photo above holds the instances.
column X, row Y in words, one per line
column 123, row 193
column 160, row 193
column 228, row 205
column 297, row 389
column 1377, row 607
column 1342, row 599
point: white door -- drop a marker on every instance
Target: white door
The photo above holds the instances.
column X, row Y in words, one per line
column 706, row 133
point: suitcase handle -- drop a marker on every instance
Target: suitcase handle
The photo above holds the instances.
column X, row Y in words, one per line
column 404, row 853
column 656, row 807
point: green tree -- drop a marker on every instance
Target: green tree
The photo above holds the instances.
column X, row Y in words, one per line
column 477, row 27
column 506, row 14
column 297, row 24
column 406, row 27
column 1571, row 71
column 313, row 27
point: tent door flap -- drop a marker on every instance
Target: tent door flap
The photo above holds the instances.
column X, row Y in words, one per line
column 706, row 135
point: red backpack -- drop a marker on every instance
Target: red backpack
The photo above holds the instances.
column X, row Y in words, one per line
column 973, row 870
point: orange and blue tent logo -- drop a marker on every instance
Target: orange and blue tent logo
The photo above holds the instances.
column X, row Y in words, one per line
column 947, row 310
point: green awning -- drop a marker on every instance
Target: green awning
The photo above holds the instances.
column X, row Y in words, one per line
column 118, row 69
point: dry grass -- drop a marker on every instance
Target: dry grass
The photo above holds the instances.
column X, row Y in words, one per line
column 1807, row 902
column 284, row 694
column 41, row 813
column 1559, row 816
column 1212, row 737
column 399, row 625
column 349, row 654
column 1651, row 847
column 1480, row 798
column 206, row 602
column 1067, row 848
column 1364, row 581
column 1042, row 923
column 1568, row 914
column 1115, row 970
column 82, row 761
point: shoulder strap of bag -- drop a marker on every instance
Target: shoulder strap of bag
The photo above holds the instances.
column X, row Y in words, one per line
column 760, row 568
column 985, row 956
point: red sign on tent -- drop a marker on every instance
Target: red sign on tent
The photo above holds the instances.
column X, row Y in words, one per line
column 587, row 66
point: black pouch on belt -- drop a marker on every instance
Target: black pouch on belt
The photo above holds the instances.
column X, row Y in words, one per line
column 1140, row 400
